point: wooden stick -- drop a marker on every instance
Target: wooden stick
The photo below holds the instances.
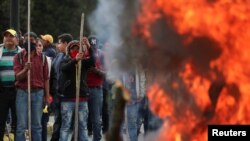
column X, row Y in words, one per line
column 29, row 93
column 78, row 82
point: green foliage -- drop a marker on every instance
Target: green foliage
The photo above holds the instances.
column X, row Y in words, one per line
column 4, row 14
column 50, row 16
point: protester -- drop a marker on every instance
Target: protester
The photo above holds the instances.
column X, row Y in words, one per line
column 63, row 41
column 8, row 50
column 48, row 47
column 46, row 111
column 135, row 81
column 50, row 52
column 67, row 88
column 39, row 87
column 95, row 78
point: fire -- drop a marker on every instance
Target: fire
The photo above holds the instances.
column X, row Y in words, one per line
column 158, row 94
column 216, row 32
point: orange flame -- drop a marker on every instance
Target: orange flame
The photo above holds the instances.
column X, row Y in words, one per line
column 228, row 24
column 159, row 98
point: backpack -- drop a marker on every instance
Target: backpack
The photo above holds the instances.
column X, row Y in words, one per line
column 1, row 50
column 20, row 56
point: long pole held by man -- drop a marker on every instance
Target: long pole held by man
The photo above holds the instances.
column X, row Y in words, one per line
column 78, row 77
column 29, row 93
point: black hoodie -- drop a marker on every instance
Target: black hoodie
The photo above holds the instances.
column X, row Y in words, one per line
column 67, row 78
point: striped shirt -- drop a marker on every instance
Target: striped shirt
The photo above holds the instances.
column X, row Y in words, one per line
column 7, row 76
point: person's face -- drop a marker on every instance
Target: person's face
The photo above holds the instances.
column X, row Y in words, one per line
column 9, row 40
column 45, row 43
column 39, row 46
column 61, row 46
column 74, row 48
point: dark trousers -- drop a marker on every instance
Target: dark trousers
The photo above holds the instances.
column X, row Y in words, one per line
column 89, row 124
column 57, row 113
column 105, row 112
column 7, row 101
column 105, row 115
column 13, row 116
column 45, row 120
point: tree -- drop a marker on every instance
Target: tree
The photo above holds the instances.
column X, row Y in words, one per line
column 50, row 16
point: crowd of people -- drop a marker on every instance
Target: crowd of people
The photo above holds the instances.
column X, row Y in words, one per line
column 53, row 68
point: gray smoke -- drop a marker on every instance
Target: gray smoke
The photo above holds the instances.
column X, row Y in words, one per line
column 112, row 21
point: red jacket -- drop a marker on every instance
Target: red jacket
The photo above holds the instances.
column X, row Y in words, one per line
column 93, row 79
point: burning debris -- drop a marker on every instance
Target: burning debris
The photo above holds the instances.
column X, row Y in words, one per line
column 120, row 97
column 195, row 54
column 209, row 77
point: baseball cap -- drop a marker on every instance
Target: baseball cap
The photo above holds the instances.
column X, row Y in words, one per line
column 47, row 37
column 11, row 31
column 93, row 40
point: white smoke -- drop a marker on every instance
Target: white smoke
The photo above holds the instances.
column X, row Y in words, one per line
column 112, row 22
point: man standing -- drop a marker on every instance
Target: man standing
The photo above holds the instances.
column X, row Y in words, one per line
column 135, row 81
column 8, row 50
column 95, row 77
column 39, row 85
column 48, row 48
column 67, row 87
column 63, row 41
column 50, row 52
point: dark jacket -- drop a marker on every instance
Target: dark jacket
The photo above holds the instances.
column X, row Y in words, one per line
column 50, row 51
column 67, row 84
column 55, row 72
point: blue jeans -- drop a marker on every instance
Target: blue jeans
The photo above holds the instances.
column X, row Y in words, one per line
column 132, row 121
column 95, row 108
column 67, row 111
column 22, row 114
